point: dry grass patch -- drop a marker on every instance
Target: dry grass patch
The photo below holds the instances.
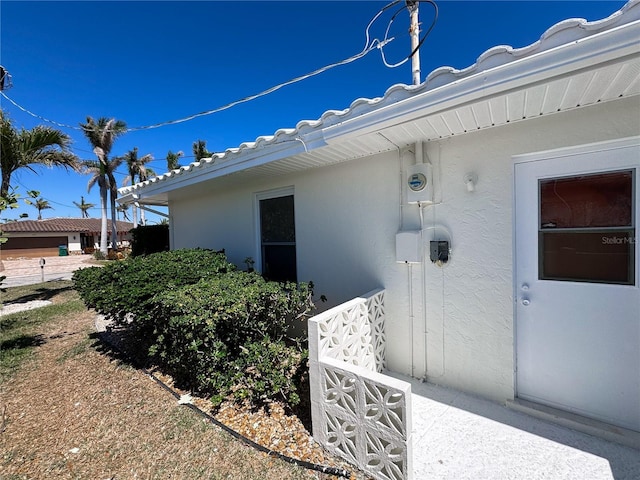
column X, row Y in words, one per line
column 73, row 412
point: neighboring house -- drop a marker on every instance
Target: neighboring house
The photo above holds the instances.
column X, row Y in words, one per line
column 496, row 206
column 39, row 238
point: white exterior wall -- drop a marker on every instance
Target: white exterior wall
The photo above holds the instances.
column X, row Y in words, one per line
column 470, row 313
column 347, row 217
column 73, row 242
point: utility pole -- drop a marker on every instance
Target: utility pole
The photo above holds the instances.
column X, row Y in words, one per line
column 5, row 79
column 414, row 31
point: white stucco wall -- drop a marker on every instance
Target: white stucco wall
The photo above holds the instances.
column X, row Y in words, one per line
column 470, row 320
column 73, row 243
column 347, row 217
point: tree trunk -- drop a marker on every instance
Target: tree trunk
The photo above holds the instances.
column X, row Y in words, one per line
column 135, row 215
column 103, row 225
column 6, row 184
column 114, row 226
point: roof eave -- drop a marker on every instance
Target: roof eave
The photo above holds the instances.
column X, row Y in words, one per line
column 239, row 161
column 445, row 90
column 587, row 53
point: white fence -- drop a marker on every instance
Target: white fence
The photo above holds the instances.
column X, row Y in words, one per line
column 358, row 412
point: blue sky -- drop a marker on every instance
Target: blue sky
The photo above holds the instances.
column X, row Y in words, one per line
column 149, row 62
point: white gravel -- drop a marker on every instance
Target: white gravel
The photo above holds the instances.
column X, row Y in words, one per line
column 20, row 307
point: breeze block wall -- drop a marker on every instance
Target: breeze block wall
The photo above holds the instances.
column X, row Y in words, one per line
column 358, row 412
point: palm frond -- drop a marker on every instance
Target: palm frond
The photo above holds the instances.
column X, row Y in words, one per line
column 103, row 132
column 96, row 178
column 27, row 148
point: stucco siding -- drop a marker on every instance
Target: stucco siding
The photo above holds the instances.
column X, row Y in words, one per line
column 347, row 217
column 73, row 243
column 470, row 311
column 346, row 220
column 217, row 219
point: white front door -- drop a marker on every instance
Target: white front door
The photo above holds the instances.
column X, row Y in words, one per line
column 577, row 214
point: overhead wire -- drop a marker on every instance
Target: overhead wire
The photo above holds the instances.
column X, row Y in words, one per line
column 35, row 115
column 52, row 201
column 423, row 38
column 370, row 45
column 431, row 27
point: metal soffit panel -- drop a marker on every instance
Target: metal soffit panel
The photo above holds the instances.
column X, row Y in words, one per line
column 588, row 88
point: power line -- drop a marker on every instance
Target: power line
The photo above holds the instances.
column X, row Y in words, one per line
column 375, row 44
column 62, row 125
column 370, row 45
column 52, row 201
column 406, row 6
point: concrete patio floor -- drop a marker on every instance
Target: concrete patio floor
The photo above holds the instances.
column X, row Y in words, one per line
column 459, row 436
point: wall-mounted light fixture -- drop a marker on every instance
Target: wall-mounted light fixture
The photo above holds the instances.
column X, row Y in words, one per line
column 470, row 180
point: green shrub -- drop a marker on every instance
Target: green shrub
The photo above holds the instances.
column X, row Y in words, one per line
column 265, row 371
column 218, row 331
column 128, row 287
column 203, row 330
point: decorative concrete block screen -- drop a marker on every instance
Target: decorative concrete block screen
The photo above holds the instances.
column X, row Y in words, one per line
column 357, row 412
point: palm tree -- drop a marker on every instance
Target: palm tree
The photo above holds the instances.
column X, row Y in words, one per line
column 137, row 167
column 173, row 160
column 28, row 148
column 103, row 175
column 41, row 204
column 101, row 134
column 96, row 170
column 84, row 207
column 200, row 150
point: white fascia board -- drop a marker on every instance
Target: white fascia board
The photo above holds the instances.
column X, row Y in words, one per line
column 126, row 199
column 245, row 160
column 584, row 54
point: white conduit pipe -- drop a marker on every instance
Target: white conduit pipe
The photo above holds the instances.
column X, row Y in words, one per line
column 424, row 294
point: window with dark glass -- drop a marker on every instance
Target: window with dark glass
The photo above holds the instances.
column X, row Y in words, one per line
column 586, row 230
column 278, row 238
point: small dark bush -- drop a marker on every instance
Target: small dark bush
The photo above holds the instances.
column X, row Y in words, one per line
column 148, row 239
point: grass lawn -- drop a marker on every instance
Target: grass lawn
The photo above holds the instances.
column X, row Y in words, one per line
column 71, row 410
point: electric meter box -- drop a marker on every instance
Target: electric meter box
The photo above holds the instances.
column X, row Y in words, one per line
column 420, row 183
column 409, row 246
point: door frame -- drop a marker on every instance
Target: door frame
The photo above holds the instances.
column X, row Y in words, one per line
column 590, row 165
